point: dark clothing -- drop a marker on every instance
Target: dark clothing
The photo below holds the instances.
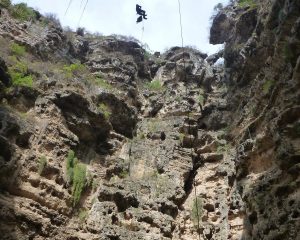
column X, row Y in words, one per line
column 139, row 19
column 140, row 12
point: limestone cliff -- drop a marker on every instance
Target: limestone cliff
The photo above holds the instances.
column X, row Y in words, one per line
column 101, row 140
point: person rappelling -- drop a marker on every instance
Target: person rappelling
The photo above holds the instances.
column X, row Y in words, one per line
column 140, row 12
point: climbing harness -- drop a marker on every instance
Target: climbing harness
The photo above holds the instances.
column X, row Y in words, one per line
column 189, row 122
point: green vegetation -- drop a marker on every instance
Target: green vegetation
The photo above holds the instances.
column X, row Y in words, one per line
column 22, row 12
column 102, row 107
column 79, row 181
column 70, row 164
column 23, row 115
column 82, row 215
column 154, row 85
column 181, row 137
column 267, row 86
column 147, row 55
column 5, row 3
column 100, row 82
column 76, row 174
column 124, row 173
column 19, row 75
column 201, row 97
column 159, row 61
column 197, row 210
column 178, row 98
column 153, row 126
column 246, row 3
column 95, row 185
column 17, row 50
column 42, row 163
column 224, row 131
column 141, row 136
column 26, row 81
column 223, row 148
column 288, row 52
column 163, row 184
column 19, row 66
column 89, row 179
column 73, row 69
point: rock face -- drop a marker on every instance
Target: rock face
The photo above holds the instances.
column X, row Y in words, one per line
column 169, row 146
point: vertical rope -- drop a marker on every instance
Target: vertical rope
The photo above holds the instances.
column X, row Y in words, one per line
column 197, row 209
column 180, row 21
column 129, row 158
column 189, row 124
column 143, row 29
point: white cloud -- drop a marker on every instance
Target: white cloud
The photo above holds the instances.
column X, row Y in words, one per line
column 161, row 30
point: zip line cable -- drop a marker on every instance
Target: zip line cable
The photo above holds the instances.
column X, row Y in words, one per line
column 189, row 123
column 86, row 3
column 81, row 3
column 70, row 2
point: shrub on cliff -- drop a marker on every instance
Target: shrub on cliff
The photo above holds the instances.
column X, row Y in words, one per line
column 42, row 163
column 267, row 86
column 70, row 165
column 76, row 175
column 201, row 97
column 22, row 12
column 104, row 108
column 197, row 211
column 100, row 82
column 17, row 50
column 79, row 181
column 5, row 3
column 155, row 85
column 19, row 75
column 247, row 3
column 73, row 69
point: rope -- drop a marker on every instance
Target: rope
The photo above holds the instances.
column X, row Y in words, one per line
column 81, row 3
column 86, row 3
column 70, row 2
column 129, row 158
column 180, row 21
column 189, row 124
column 197, row 209
column 143, row 29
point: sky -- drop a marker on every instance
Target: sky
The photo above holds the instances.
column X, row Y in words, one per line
column 161, row 29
